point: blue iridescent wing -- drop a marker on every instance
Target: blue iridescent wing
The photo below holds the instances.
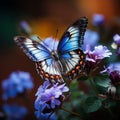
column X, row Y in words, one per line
column 33, row 49
column 73, row 38
column 37, row 52
column 71, row 56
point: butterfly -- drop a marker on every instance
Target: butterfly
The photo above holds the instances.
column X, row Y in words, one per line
column 66, row 60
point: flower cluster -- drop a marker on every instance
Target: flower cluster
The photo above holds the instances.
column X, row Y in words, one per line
column 94, row 57
column 113, row 71
column 49, row 98
column 16, row 84
column 14, row 112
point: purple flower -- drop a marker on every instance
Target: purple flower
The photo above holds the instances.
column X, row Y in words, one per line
column 51, row 95
column 94, row 57
column 98, row 19
column 17, row 83
column 100, row 52
column 91, row 38
column 14, row 112
column 113, row 71
column 116, row 39
column 25, row 28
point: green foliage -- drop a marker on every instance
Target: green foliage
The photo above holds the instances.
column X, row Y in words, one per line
column 92, row 104
column 109, row 103
column 102, row 83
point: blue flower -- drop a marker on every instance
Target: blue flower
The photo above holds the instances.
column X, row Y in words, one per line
column 51, row 95
column 98, row 19
column 17, row 83
column 41, row 114
column 14, row 112
column 91, row 38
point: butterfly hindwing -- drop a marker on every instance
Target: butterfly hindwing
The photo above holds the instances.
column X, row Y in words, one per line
column 75, row 64
column 48, row 72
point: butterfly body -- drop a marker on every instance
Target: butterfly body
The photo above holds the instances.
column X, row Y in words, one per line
column 55, row 55
column 65, row 58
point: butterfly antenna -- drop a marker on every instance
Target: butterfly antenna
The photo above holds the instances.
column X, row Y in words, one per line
column 55, row 39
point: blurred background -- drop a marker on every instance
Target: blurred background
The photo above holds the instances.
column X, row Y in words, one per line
column 45, row 17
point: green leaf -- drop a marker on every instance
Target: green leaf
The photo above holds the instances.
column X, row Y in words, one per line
column 109, row 104
column 92, row 104
column 102, row 83
column 102, row 80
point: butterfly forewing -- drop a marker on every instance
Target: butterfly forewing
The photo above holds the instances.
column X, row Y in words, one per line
column 73, row 37
column 34, row 50
column 41, row 55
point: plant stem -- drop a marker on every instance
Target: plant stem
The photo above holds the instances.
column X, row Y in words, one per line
column 93, row 86
column 74, row 113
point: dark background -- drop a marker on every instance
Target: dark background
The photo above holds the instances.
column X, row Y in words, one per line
column 44, row 17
